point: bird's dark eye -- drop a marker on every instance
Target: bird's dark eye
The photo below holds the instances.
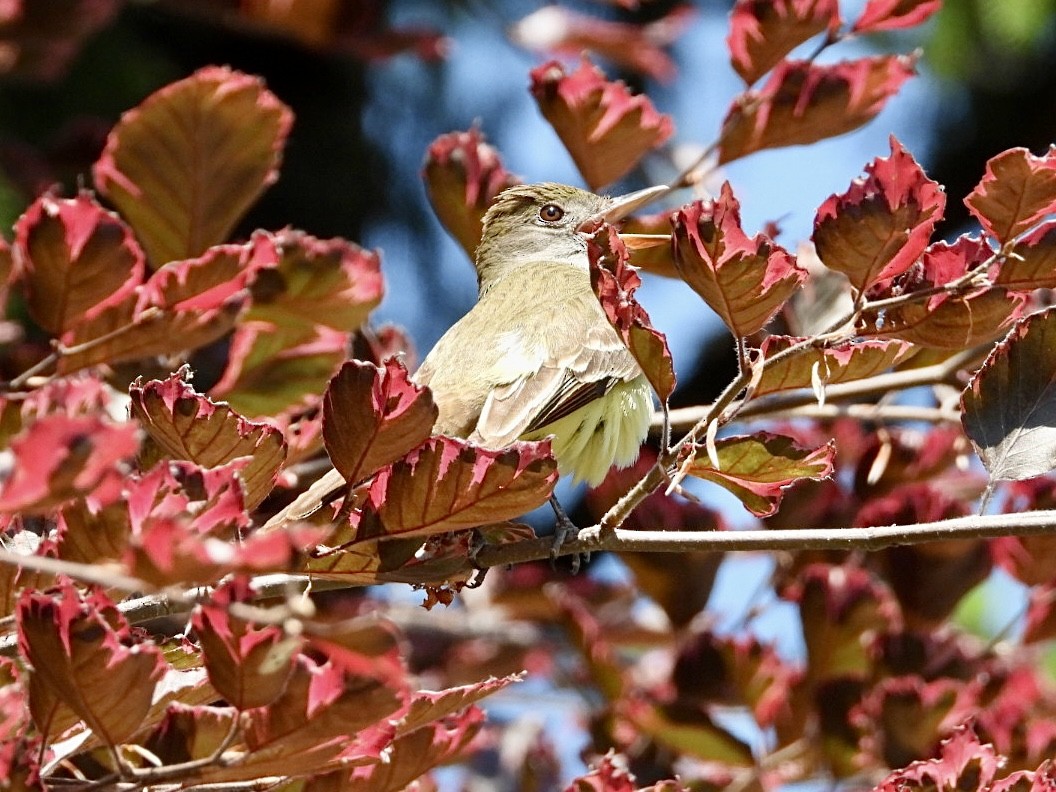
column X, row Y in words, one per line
column 551, row 213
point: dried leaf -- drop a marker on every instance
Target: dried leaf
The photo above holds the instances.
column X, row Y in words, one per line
column 184, row 166
column 463, row 174
column 604, row 128
column 758, row 468
column 1017, row 191
column 75, row 258
column 614, row 282
column 804, row 102
column 187, row 425
column 763, row 32
column 1009, row 406
column 745, row 281
column 372, row 416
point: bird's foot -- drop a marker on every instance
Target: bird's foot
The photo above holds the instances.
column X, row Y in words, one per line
column 476, row 544
column 563, row 529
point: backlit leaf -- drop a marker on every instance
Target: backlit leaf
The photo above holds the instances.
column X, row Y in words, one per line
column 744, row 280
column 758, row 468
column 880, row 226
column 83, row 651
column 881, row 15
column 604, row 128
column 1017, row 191
column 844, row 363
column 187, row 425
column 1009, row 406
column 614, row 282
column 448, row 485
column 762, row 32
column 964, row 763
column 805, row 102
column 184, row 166
column 1032, row 264
column 373, row 416
column 463, row 174
column 75, row 258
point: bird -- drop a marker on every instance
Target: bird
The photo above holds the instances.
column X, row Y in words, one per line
column 535, row 357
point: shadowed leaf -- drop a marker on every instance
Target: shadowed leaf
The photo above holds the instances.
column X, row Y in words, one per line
column 1009, row 407
column 463, row 174
column 829, row 365
column 372, row 416
column 763, row 32
column 880, row 226
column 189, row 426
column 758, row 468
column 1017, row 191
column 448, row 484
column 185, row 165
column 745, row 281
column 189, row 733
column 805, row 102
column 83, row 651
column 879, row 15
column 688, row 731
column 76, row 259
column 655, row 259
column 614, row 282
column 964, row 763
column 604, row 128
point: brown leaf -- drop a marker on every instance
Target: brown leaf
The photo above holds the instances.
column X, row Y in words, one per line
column 762, row 32
column 829, row 365
column 1017, row 191
column 1032, row 264
column 604, row 128
column 184, row 166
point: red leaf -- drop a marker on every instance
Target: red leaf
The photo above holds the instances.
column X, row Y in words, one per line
column 76, row 259
column 58, row 458
column 803, row 102
column 331, row 282
column 604, row 128
column 964, row 764
column 427, row 707
column 185, row 165
column 1032, row 264
column 1017, row 191
column 607, row 775
column 186, row 425
column 463, row 174
column 829, row 365
column 373, row 416
column 945, row 320
column 758, row 468
column 448, row 485
column 762, row 32
column 614, row 282
column 880, row 226
column 83, row 651
column 636, row 47
column 248, row 665
column 881, row 15
column 745, row 281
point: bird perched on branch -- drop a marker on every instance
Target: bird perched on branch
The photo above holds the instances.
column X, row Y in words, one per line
column 536, row 356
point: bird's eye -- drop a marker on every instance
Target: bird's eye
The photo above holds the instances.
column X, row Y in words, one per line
column 551, row 213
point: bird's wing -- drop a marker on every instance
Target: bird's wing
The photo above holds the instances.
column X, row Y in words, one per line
column 585, row 369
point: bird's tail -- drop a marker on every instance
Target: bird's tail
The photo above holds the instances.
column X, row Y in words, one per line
column 308, row 502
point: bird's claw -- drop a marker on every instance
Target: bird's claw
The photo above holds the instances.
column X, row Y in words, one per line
column 563, row 529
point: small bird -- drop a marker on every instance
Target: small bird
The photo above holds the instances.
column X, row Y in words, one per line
column 536, row 356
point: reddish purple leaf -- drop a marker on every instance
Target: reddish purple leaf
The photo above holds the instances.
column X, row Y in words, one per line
column 605, row 129
column 1032, row 264
column 762, row 32
column 185, row 165
column 1009, row 407
column 463, row 174
column 946, row 320
column 449, row 485
column 759, row 468
column 881, row 225
column 1017, row 191
column 905, row 716
column 744, row 280
column 881, row 15
column 605, row 776
column 248, row 664
column 427, row 706
column 1041, row 615
column 84, row 653
column 372, row 416
column 804, row 102
column 89, row 535
column 827, row 366
column 186, row 425
column 964, row 764
column 75, row 258
column 58, row 458
column 331, row 282
column 637, row 47
column 615, row 282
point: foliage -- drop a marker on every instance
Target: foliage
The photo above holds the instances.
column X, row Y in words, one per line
column 129, row 493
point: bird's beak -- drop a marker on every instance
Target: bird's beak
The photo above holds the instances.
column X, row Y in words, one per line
column 624, row 205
